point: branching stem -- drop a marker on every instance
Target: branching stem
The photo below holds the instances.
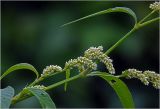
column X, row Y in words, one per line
column 137, row 26
column 147, row 16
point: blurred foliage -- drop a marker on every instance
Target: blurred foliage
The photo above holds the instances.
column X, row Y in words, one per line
column 31, row 34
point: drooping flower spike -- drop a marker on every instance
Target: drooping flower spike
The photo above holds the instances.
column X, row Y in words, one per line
column 96, row 53
column 146, row 77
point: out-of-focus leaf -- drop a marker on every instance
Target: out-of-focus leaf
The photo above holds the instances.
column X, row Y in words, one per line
column 119, row 87
column 67, row 76
column 43, row 97
column 18, row 67
column 110, row 10
column 6, row 96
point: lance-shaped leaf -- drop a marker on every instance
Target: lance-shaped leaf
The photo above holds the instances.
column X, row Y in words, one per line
column 43, row 97
column 6, row 96
column 18, row 67
column 119, row 87
column 110, row 10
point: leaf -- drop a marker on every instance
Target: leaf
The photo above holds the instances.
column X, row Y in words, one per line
column 18, row 67
column 6, row 96
column 67, row 77
column 43, row 97
column 119, row 87
column 110, row 10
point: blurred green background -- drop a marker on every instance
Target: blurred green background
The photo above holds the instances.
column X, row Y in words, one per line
column 31, row 34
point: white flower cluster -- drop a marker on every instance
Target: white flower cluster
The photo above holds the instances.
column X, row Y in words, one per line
column 81, row 63
column 96, row 53
column 155, row 6
column 133, row 73
column 90, row 55
column 93, row 52
column 51, row 69
column 42, row 87
column 145, row 77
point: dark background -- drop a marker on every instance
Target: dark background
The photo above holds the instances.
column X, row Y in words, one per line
column 31, row 34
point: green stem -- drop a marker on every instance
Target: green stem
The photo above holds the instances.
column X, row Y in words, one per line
column 146, row 16
column 136, row 27
column 22, row 96
column 148, row 22
column 120, row 76
column 120, row 41
column 63, row 81
column 43, row 78
column 35, row 82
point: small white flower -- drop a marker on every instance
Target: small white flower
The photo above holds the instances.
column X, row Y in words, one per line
column 155, row 6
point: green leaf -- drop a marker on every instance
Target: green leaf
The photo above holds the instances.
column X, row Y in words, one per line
column 43, row 97
column 6, row 96
column 67, row 77
column 110, row 10
column 119, row 87
column 18, row 67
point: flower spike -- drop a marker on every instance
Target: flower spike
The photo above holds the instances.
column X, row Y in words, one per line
column 51, row 69
column 145, row 77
